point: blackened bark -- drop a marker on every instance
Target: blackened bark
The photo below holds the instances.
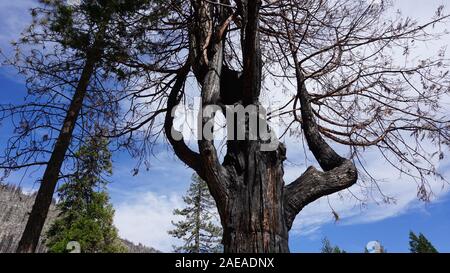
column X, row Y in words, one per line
column 251, row 50
column 338, row 174
column 255, row 215
column 254, row 219
column 35, row 223
column 216, row 176
column 314, row 184
column 189, row 157
column 327, row 158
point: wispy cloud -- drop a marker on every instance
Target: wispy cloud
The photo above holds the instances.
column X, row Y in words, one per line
column 147, row 217
column 15, row 16
column 372, row 209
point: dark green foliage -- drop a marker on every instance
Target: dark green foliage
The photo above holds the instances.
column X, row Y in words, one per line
column 75, row 25
column 328, row 248
column 420, row 244
column 86, row 215
column 197, row 229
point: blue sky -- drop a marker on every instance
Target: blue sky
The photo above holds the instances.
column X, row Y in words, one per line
column 144, row 203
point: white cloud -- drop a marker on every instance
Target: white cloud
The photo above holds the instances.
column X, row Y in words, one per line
column 146, row 218
column 15, row 17
column 352, row 211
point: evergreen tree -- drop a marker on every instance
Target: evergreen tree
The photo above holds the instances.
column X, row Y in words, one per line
column 197, row 229
column 86, row 215
column 420, row 244
column 328, row 248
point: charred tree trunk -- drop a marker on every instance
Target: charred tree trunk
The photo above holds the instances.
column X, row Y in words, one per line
column 253, row 218
column 44, row 197
column 256, row 208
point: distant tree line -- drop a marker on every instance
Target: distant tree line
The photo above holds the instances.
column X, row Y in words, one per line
column 417, row 244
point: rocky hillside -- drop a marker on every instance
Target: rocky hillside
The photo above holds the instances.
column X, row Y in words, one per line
column 139, row 248
column 14, row 208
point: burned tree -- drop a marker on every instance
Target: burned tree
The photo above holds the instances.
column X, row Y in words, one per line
column 347, row 89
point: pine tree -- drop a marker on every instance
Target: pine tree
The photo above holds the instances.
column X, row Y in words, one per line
column 197, row 229
column 72, row 57
column 328, row 248
column 86, row 215
column 420, row 244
